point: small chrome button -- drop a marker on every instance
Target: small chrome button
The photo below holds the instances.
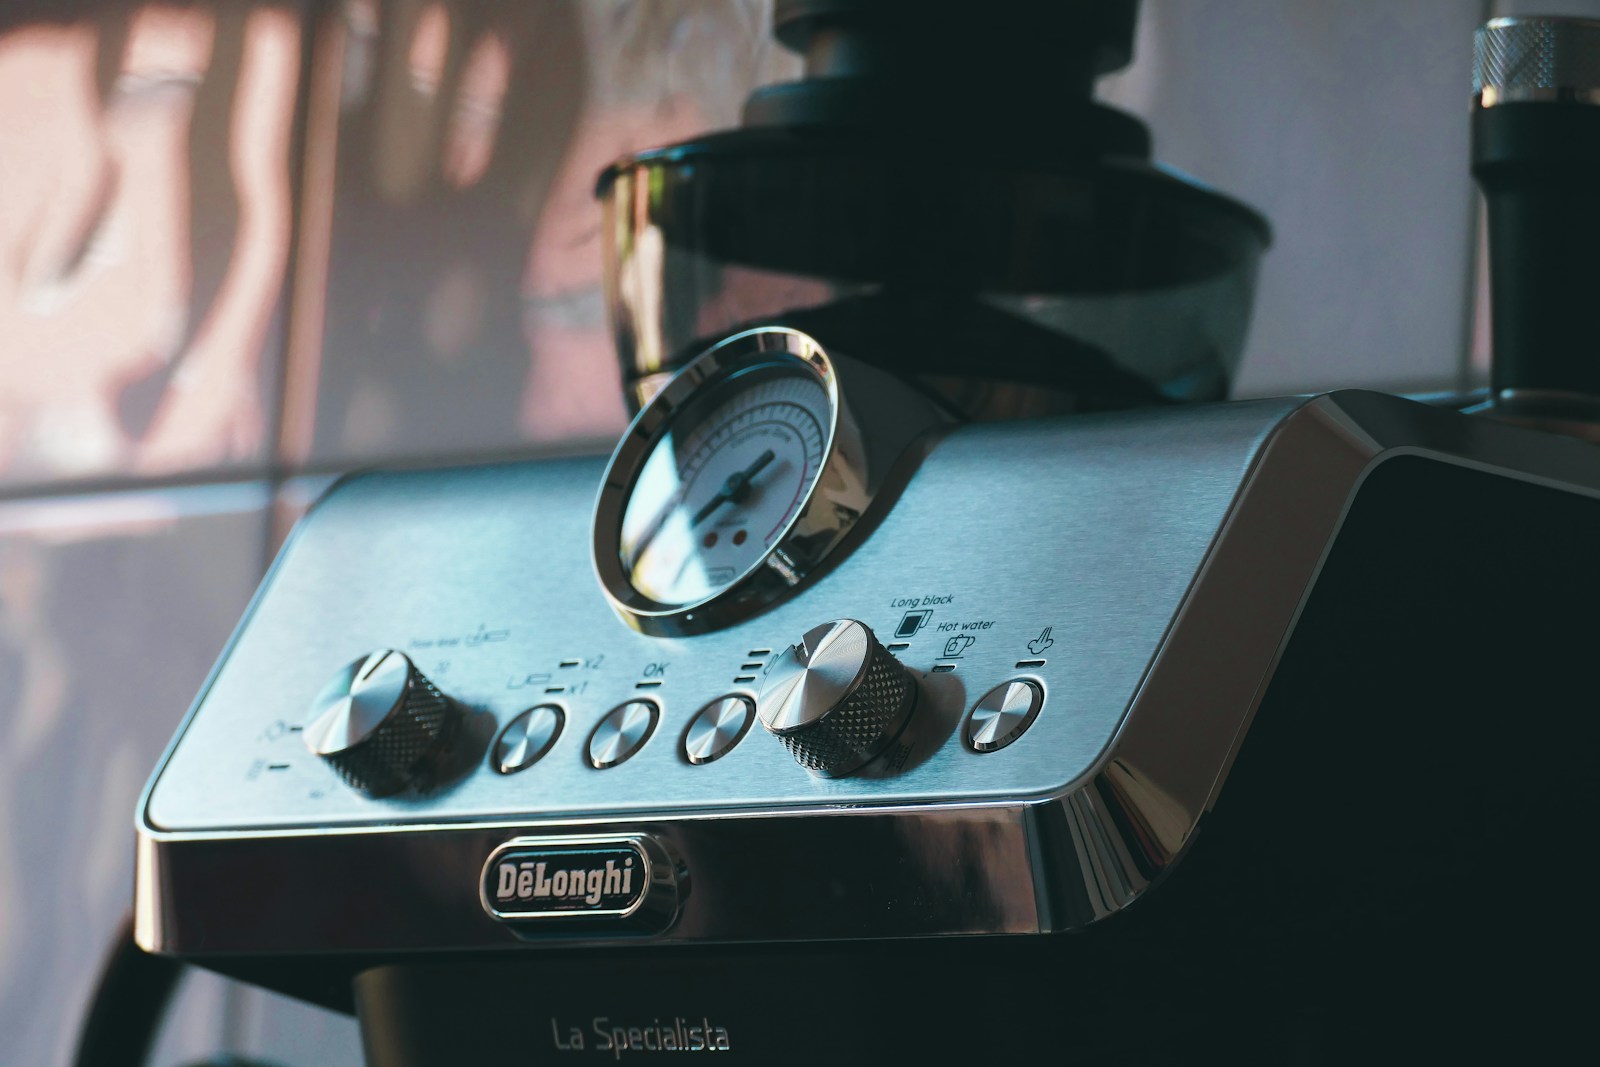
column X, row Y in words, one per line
column 717, row 727
column 1003, row 714
column 527, row 737
column 623, row 731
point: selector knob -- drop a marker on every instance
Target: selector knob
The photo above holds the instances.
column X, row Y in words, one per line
column 380, row 723
column 837, row 699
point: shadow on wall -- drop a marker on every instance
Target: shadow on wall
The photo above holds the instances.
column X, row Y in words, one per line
column 394, row 195
column 461, row 248
column 144, row 232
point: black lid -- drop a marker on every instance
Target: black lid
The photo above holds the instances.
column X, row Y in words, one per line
column 956, row 69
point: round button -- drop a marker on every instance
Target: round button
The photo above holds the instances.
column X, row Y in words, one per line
column 717, row 727
column 379, row 723
column 1002, row 714
column 622, row 732
column 527, row 738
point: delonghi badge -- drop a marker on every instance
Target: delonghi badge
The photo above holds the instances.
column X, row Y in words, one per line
column 617, row 877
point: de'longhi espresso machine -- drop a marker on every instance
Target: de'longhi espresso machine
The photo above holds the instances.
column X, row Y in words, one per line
column 842, row 715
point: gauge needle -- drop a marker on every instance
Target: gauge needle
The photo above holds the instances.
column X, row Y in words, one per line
column 735, row 489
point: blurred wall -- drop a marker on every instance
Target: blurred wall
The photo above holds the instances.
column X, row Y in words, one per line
column 244, row 246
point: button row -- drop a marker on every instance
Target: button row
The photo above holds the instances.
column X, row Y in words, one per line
column 715, row 729
column 998, row 718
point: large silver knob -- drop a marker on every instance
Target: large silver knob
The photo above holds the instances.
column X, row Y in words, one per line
column 837, row 699
column 379, row 723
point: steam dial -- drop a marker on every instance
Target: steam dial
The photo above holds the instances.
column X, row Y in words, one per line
column 380, row 723
column 837, row 699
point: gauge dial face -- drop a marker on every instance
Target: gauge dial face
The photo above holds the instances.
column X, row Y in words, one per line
column 723, row 483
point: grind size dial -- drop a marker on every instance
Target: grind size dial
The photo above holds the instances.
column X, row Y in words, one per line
column 379, row 722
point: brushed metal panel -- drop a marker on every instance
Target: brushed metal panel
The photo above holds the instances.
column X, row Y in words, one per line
column 1091, row 527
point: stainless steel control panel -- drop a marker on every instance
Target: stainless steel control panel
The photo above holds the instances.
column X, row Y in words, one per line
column 432, row 703
column 1054, row 554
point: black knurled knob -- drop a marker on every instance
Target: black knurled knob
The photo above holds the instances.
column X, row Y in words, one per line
column 379, row 723
column 837, row 699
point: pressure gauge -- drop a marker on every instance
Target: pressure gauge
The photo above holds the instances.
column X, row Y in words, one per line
column 742, row 474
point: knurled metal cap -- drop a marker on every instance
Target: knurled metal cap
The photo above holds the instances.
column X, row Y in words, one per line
column 378, row 722
column 837, row 699
column 1536, row 58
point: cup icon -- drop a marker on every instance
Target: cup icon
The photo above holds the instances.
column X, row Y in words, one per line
column 911, row 622
column 957, row 645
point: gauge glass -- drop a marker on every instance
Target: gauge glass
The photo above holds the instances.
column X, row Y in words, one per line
column 723, row 483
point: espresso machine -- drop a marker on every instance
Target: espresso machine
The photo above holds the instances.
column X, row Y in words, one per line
column 939, row 666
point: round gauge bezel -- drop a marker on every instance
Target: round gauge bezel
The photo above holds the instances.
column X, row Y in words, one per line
column 697, row 389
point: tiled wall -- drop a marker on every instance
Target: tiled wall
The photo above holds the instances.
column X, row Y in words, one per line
column 246, row 245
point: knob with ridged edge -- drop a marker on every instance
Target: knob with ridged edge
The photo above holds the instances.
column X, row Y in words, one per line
column 380, row 723
column 837, row 700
